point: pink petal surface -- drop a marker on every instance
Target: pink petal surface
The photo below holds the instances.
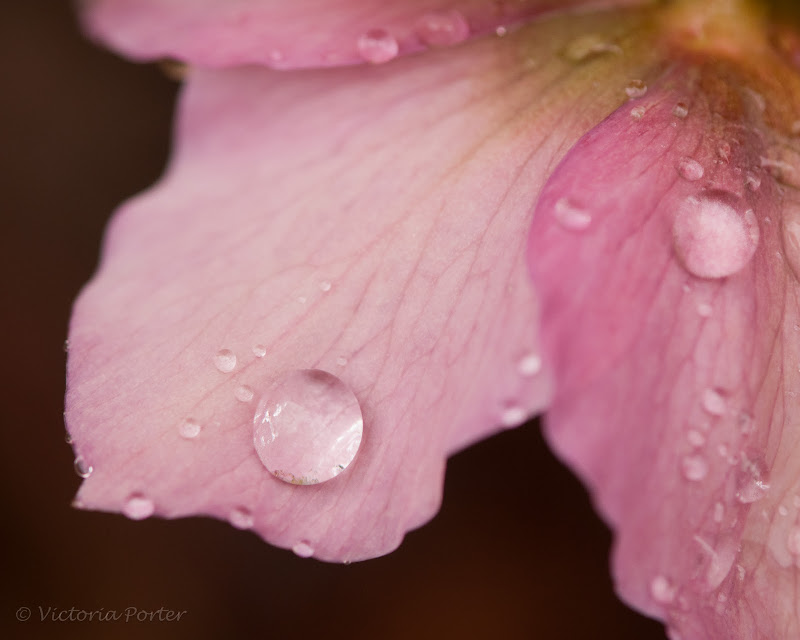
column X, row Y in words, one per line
column 303, row 33
column 676, row 395
column 366, row 222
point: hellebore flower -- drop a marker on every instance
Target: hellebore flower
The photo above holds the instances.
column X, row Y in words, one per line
column 591, row 211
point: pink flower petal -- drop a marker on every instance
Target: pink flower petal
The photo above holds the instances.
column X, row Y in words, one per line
column 672, row 326
column 367, row 222
column 303, row 33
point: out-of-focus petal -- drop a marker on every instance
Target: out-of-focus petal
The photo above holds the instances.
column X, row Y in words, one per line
column 304, row 33
column 674, row 332
column 370, row 222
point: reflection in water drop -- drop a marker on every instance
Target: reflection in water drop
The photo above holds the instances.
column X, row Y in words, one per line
column 137, row 507
column 307, row 427
column 714, row 234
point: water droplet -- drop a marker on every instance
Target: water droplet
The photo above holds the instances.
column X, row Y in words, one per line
column 325, row 286
column 138, row 507
column 276, row 56
column 243, row 393
column 783, row 511
column 587, row 46
column 746, row 423
column 377, row 46
column 259, row 351
column 81, row 468
column 301, row 299
column 751, row 484
column 303, row 549
column 695, row 468
column 791, row 240
column 719, row 560
column 705, row 310
column 714, row 402
column 571, row 216
column 752, row 181
column 714, row 236
column 690, row 169
column 680, row 110
column 308, row 427
column 793, row 541
column 501, row 31
column 68, row 438
column 637, row 113
column 241, row 518
column 530, row 365
column 719, row 512
column 66, row 346
column 341, row 361
column 189, row 429
column 662, row 590
column 636, row 89
column 225, row 360
column 724, row 151
column 442, row 28
column 513, row 416
column 695, row 438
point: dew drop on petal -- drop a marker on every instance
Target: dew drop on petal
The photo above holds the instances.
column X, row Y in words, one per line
column 571, row 216
column 325, row 286
column 377, row 46
column 501, row 31
column 587, row 46
column 783, row 511
column 662, row 590
column 714, row 235
column 752, row 181
column 695, row 438
column 137, row 507
column 225, row 360
column 704, row 310
column 636, row 89
column 189, row 429
column 81, row 468
column 442, row 28
column 341, row 361
column 241, row 518
column 513, row 416
column 68, row 438
column 690, row 169
column 307, row 427
column 719, row 512
column 751, row 485
column 637, row 113
column 243, row 393
column 714, row 402
column 680, row 110
column 530, row 365
column 695, row 468
column 259, row 350
column 303, row 549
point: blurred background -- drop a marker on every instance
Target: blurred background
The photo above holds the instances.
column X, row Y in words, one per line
column 516, row 551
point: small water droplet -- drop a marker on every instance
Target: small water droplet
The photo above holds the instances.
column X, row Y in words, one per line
column 746, row 423
column 793, row 541
column 259, row 350
column 501, row 31
column 189, row 429
column 138, row 507
column 377, row 46
column 442, row 28
column 783, row 511
column 637, row 113
column 705, row 310
column 341, row 361
column 680, row 110
column 695, row 438
column 243, row 393
column 695, row 468
column 719, row 512
column 325, row 286
column 68, row 438
column 662, row 590
column 714, row 236
column 636, row 89
column 714, row 402
column 303, row 549
column 690, row 169
column 724, row 151
column 225, row 360
column 81, row 468
column 307, row 427
column 751, row 484
column 66, row 346
column 588, row 46
column 791, row 239
column 571, row 216
column 513, row 416
column 719, row 560
column 276, row 56
column 752, row 181
column 241, row 518
column 530, row 365
column 301, row 299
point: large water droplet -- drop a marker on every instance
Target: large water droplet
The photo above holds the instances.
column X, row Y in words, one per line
column 571, row 216
column 377, row 46
column 791, row 240
column 714, row 235
column 695, row 468
column 303, row 549
column 307, row 427
column 442, row 28
column 137, row 507
column 189, row 429
column 714, row 402
column 241, row 518
column 225, row 360
column 636, row 89
column 83, row 469
column 690, row 169
column 662, row 590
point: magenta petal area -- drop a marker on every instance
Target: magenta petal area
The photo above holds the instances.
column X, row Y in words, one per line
column 666, row 262
column 305, row 33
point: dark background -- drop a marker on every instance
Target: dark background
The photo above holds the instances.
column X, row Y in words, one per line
column 515, row 553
